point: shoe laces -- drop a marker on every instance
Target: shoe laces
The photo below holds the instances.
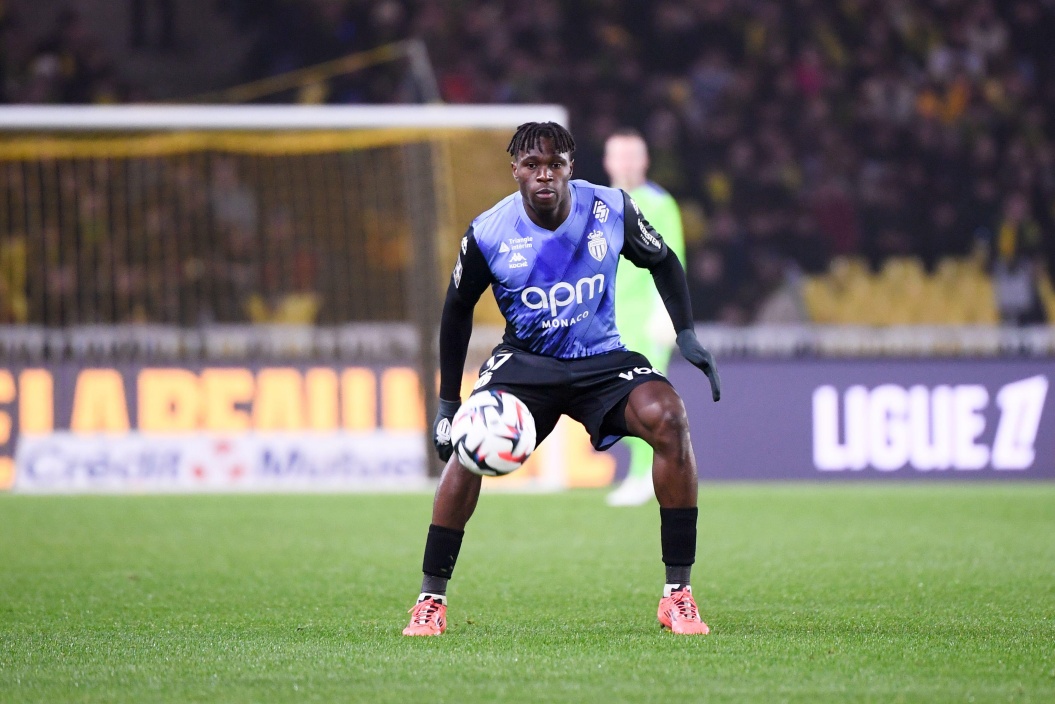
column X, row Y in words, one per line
column 685, row 604
column 422, row 612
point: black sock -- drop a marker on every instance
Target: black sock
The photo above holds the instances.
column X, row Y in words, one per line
column 679, row 575
column 678, row 541
column 431, row 584
column 441, row 552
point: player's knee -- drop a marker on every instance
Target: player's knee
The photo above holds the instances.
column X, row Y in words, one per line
column 665, row 420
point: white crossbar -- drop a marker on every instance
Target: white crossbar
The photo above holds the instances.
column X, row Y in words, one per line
column 272, row 117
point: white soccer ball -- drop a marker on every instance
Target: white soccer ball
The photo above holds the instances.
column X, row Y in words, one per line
column 493, row 433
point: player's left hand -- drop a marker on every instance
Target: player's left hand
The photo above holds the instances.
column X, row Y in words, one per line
column 692, row 350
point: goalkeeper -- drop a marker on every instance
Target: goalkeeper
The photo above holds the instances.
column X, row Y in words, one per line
column 639, row 313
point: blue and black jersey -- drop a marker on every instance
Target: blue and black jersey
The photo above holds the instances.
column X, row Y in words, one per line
column 556, row 289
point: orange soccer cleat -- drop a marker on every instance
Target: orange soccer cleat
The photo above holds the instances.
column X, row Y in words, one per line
column 427, row 618
column 678, row 613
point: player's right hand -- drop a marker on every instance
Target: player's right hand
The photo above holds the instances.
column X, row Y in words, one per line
column 441, row 428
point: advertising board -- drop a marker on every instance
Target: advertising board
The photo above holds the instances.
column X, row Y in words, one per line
column 76, row 428
column 73, row 428
column 874, row 419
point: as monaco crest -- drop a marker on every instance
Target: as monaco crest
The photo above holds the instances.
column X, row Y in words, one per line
column 598, row 245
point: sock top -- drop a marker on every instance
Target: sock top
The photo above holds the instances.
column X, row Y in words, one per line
column 668, row 588
column 438, row 598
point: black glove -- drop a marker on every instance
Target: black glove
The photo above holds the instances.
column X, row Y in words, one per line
column 692, row 350
column 441, row 428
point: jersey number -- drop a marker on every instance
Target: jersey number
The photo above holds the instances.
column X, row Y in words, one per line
column 489, row 367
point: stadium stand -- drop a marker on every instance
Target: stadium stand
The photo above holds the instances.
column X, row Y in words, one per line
column 868, row 161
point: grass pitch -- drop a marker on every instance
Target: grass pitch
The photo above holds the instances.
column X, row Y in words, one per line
column 814, row 593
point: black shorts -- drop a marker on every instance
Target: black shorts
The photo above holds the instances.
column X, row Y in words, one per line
column 592, row 390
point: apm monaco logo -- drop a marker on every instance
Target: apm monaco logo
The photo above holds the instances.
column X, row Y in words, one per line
column 597, row 244
column 600, row 211
column 517, row 261
column 563, row 294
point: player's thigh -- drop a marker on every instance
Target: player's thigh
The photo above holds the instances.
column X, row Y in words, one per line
column 600, row 388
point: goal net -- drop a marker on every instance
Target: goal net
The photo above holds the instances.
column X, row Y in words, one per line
column 192, row 215
column 215, row 222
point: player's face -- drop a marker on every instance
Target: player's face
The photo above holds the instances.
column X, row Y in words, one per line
column 626, row 161
column 543, row 176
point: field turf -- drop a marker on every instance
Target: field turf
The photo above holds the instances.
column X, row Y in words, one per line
column 814, row 593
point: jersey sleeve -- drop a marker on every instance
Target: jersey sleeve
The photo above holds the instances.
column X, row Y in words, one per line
column 471, row 275
column 470, row 279
column 642, row 245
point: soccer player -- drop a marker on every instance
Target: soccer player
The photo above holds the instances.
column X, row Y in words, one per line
column 638, row 307
column 550, row 252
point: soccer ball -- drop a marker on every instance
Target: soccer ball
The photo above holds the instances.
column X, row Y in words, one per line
column 493, row 433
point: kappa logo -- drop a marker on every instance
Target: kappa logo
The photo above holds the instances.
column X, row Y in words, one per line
column 598, row 245
column 517, row 261
column 458, row 273
column 465, row 244
column 503, row 248
column 600, row 211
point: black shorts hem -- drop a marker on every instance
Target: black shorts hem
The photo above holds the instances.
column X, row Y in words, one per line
column 586, row 389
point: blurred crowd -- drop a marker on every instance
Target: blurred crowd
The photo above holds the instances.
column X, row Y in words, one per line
column 791, row 132
column 64, row 63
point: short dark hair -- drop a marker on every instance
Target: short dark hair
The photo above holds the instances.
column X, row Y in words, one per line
column 530, row 134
